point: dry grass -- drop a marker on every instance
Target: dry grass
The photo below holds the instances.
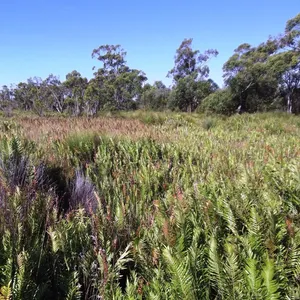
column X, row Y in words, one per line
column 54, row 128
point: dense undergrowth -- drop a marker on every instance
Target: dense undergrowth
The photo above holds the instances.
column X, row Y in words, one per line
column 188, row 208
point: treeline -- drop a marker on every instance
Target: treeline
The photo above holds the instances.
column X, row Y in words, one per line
column 261, row 78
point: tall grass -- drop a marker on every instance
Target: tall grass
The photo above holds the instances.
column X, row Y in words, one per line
column 201, row 208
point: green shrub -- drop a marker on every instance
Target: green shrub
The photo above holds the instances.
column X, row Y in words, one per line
column 208, row 123
column 220, row 102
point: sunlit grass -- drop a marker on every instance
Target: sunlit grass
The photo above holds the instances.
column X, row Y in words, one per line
column 150, row 206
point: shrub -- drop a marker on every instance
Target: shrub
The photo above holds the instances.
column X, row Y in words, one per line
column 220, row 102
column 208, row 123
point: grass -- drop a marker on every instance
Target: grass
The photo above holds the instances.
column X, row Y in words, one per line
column 150, row 206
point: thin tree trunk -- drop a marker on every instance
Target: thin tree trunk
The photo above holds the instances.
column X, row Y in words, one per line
column 289, row 104
column 189, row 108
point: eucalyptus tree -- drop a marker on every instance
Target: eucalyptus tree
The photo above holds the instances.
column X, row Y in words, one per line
column 23, row 96
column 247, row 74
column 75, row 87
column 156, row 96
column 190, row 74
column 287, row 64
column 7, row 102
column 30, row 95
column 259, row 76
column 190, row 62
column 114, row 84
column 40, row 95
column 54, row 93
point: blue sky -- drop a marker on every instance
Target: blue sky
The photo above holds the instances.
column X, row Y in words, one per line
column 39, row 37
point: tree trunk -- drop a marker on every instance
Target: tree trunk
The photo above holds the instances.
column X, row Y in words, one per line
column 242, row 106
column 189, row 108
column 289, row 104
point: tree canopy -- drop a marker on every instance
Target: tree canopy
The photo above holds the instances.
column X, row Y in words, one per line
column 257, row 78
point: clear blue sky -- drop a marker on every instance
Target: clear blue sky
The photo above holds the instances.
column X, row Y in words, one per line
column 39, row 37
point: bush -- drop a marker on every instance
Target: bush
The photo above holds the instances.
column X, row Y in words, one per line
column 208, row 123
column 220, row 102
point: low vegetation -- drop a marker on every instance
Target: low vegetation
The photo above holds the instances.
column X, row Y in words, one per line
column 150, row 206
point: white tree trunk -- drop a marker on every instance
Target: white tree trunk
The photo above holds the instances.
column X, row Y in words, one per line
column 289, row 104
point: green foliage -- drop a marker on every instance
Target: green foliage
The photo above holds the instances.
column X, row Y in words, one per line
column 190, row 75
column 155, row 97
column 189, row 92
column 75, row 87
column 220, row 102
column 189, row 62
column 115, row 84
column 204, row 208
column 258, row 76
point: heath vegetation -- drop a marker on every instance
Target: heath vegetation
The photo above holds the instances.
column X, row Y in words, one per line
column 192, row 207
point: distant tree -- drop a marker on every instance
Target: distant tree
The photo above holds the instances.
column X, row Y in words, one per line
column 246, row 73
column 259, row 76
column 291, row 37
column 23, row 96
column 40, row 95
column 159, row 85
column 189, row 92
column 191, row 63
column 54, row 93
column 115, row 84
column 285, row 67
column 190, row 74
column 155, row 97
column 7, row 102
column 287, row 64
column 75, row 88
column 30, row 95
column 111, row 56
